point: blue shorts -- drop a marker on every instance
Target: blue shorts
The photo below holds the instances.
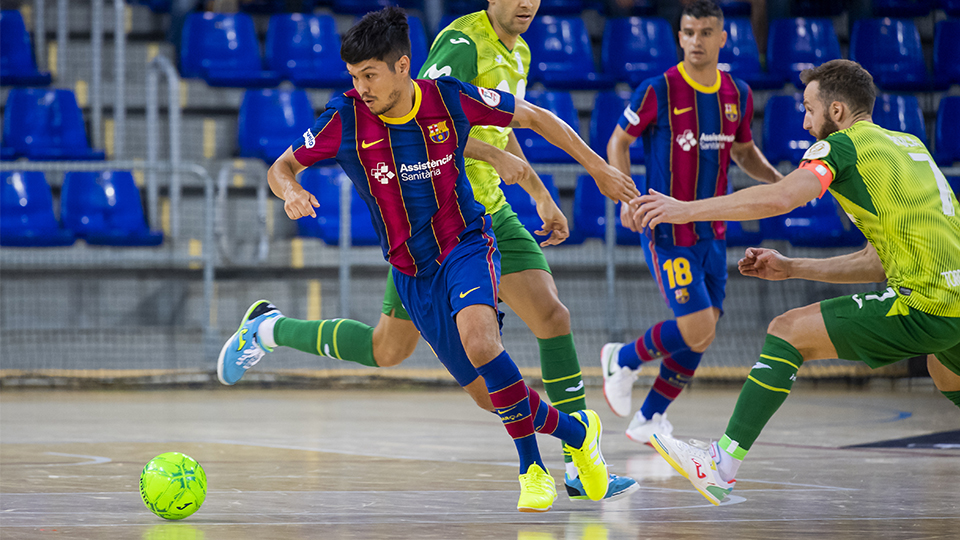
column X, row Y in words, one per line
column 469, row 275
column 692, row 278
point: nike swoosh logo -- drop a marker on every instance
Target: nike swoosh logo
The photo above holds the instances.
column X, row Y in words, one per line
column 459, row 40
column 575, row 388
column 681, row 111
column 366, row 145
column 464, row 294
column 242, row 341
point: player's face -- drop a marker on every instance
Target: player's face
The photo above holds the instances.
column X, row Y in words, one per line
column 817, row 119
column 378, row 85
column 514, row 16
column 701, row 40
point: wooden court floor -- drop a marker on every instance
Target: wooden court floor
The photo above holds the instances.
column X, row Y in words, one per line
column 428, row 464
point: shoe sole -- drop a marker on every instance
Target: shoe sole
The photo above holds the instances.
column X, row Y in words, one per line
column 223, row 350
column 530, row 509
column 647, row 442
column 615, row 497
column 655, row 443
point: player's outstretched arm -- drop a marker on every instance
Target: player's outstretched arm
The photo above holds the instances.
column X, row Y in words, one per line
column 749, row 158
column 512, row 169
column 282, row 177
column 756, row 202
column 863, row 266
column 612, row 183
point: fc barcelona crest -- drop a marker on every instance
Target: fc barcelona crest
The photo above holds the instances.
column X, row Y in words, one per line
column 682, row 295
column 439, row 132
column 730, row 111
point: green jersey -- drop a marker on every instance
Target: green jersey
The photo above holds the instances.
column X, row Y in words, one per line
column 892, row 189
column 469, row 49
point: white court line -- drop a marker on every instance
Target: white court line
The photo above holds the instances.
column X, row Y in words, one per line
column 94, row 460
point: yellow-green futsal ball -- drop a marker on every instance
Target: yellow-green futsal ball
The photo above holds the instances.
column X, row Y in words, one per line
column 173, row 485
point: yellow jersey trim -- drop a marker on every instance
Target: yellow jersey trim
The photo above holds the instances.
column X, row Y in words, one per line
column 413, row 112
column 713, row 89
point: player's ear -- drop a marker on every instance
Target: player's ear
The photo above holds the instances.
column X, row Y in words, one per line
column 403, row 65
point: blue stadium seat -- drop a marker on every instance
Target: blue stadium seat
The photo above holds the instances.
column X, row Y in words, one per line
column 821, row 223
column 17, row 65
column 747, row 233
column 607, row 111
column 784, row 138
column 324, row 183
column 561, row 54
column 890, row 50
column 104, row 208
column 734, row 8
column 26, row 212
column 902, row 8
column 947, row 136
column 526, row 208
column 946, row 53
column 419, row 46
column 900, row 113
column 222, row 49
column 590, row 211
column 45, row 124
column 951, row 7
column 741, row 57
column 636, row 48
column 305, row 49
column 270, row 120
column 799, row 44
column 535, row 147
column 559, row 7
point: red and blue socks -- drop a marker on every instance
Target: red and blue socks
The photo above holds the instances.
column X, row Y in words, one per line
column 508, row 393
column 549, row 421
column 662, row 340
column 765, row 390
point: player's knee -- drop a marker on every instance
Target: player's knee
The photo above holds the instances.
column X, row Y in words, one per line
column 702, row 339
column 782, row 326
column 554, row 321
column 392, row 356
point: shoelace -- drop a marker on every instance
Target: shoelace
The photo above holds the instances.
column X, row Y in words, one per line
column 531, row 484
column 250, row 356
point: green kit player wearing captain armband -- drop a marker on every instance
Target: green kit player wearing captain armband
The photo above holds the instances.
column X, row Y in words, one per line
column 902, row 203
column 485, row 49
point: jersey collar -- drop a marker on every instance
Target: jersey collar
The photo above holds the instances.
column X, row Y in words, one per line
column 409, row 116
column 712, row 89
column 488, row 26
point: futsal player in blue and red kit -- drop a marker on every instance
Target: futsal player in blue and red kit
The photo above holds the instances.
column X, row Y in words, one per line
column 693, row 119
column 401, row 142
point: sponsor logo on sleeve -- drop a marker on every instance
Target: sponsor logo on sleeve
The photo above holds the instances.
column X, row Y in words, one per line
column 434, row 73
column 490, row 97
column 631, row 116
column 309, row 140
column 819, row 150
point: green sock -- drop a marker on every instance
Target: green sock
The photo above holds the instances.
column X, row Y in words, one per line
column 344, row 339
column 562, row 378
column 953, row 396
column 765, row 390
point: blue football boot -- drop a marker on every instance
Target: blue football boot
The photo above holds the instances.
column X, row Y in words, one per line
column 617, row 487
column 244, row 348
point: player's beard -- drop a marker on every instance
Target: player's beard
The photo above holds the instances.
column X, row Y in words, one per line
column 392, row 100
column 828, row 128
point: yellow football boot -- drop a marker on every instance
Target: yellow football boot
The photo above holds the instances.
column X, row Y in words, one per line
column 537, row 490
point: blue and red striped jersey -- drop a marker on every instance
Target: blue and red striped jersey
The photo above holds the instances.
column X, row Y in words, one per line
column 410, row 170
column 688, row 130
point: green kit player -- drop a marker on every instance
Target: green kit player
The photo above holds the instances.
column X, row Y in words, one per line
column 897, row 196
column 485, row 49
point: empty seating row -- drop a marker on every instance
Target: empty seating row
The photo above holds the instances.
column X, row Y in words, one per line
column 44, row 124
column 223, row 49
column 102, row 208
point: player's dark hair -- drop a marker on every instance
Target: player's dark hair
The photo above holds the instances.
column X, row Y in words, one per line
column 382, row 35
column 700, row 9
column 845, row 81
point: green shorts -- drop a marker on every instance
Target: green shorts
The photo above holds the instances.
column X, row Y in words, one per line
column 518, row 252
column 878, row 329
